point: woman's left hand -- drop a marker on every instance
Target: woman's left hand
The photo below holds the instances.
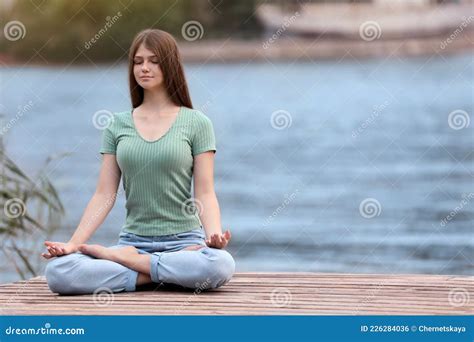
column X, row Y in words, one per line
column 219, row 240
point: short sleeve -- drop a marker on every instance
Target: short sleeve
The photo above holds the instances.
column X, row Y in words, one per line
column 204, row 139
column 108, row 142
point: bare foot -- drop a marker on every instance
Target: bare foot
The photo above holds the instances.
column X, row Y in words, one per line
column 113, row 254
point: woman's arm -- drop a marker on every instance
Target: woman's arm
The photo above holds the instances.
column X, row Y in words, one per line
column 207, row 200
column 102, row 201
column 96, row 211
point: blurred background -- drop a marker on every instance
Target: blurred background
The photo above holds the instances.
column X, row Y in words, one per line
column 344, row 141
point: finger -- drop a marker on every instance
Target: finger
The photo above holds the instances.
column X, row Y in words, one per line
column 51, row 251
column 50, row 247
column 59, row 250
column 46, row 255
column 224, row 242
column 227, row 235
column 218, row 241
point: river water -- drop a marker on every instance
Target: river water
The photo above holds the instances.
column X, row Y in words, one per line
column 332, row 166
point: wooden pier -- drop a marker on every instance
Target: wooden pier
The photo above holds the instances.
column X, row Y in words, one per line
column 260, row 294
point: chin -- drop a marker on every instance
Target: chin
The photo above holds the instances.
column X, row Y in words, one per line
column 148, row 85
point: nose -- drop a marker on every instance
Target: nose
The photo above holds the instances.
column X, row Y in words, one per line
column 145, row 67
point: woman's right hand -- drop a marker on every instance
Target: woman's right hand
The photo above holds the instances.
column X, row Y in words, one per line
column 56, row 249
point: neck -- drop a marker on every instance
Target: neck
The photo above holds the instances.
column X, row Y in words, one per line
column 157, row 100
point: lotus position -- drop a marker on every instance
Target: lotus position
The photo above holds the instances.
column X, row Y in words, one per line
column 157, row 148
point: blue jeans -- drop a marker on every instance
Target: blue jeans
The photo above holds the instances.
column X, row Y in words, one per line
column 205, row 268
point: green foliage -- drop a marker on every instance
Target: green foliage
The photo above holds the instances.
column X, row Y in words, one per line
column 59, row 30
column 31, row 211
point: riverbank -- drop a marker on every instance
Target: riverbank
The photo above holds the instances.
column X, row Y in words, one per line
column 304, row 49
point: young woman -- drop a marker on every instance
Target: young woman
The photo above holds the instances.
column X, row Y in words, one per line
column 157, row 147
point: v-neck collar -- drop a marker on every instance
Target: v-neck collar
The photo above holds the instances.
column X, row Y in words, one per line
column 156, row 140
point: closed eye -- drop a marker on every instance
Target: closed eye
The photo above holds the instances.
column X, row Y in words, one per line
column 140, row 61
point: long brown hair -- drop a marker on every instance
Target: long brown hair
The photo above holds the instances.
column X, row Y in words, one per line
column 163, row 45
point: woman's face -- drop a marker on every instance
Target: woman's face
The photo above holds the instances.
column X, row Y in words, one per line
column 146, row 69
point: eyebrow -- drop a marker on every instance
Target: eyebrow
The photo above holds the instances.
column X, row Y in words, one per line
column 150, row 56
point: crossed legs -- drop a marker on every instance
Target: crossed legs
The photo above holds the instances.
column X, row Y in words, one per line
column 122, row 268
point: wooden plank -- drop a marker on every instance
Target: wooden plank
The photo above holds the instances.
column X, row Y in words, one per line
column 250, row 293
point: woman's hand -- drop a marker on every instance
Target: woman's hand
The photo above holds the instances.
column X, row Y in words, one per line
column 56, row 249
column 219, row 240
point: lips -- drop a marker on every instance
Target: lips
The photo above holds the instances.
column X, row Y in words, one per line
column 146, row 77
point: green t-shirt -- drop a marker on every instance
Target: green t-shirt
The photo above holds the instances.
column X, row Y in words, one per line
column 157, row 175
